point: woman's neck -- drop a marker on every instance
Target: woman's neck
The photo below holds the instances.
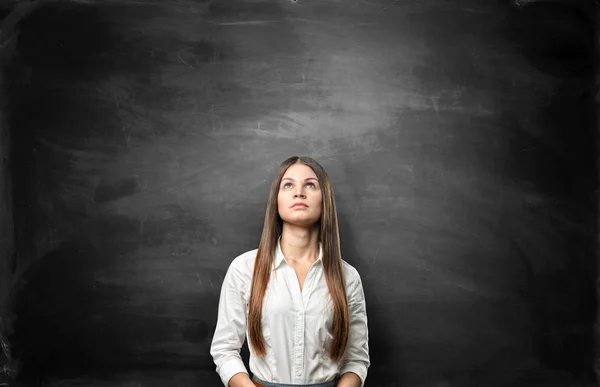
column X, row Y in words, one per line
column 300, row 245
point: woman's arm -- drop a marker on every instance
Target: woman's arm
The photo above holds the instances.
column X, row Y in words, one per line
column 356, row 360
column 231, row 330
column 241, row 379
column 350, row 379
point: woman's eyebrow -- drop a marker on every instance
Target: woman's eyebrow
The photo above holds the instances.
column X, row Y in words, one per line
column 308, row 178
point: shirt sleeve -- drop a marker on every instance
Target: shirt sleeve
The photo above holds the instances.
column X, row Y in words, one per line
column 230, row 330
column 356, row 358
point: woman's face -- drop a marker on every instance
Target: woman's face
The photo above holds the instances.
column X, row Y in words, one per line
column 299, row 184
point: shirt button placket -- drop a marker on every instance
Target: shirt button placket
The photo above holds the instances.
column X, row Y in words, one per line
column 299, row 348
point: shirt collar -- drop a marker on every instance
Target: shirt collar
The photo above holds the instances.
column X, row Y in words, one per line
column 280, row 258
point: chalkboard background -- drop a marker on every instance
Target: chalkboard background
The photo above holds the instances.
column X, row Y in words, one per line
column 459, row 137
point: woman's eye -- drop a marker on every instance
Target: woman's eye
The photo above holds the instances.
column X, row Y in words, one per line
column 286, row 184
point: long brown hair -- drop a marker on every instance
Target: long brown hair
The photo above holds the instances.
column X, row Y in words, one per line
column 332, row 260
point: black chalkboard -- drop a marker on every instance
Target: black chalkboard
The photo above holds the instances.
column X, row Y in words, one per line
column 459, row 137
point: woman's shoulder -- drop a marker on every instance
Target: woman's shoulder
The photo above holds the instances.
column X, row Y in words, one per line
column 244, row 261
column 240, row 269
column 350, row 272
column 354, row 285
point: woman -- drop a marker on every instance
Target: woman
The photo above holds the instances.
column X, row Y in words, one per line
column 301, row 306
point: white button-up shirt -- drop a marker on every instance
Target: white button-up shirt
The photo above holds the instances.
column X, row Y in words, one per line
column 297, row 324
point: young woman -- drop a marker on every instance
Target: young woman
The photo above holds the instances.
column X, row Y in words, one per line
column 300, row 305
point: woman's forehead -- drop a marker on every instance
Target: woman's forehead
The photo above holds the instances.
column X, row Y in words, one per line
column 299, row 172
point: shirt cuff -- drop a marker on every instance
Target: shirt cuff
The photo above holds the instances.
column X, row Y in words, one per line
column 230, row 368
column 357, row 368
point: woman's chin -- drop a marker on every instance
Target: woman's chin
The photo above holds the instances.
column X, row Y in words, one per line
column 302, row 222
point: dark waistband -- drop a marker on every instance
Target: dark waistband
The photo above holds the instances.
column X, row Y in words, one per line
column 331, row 383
